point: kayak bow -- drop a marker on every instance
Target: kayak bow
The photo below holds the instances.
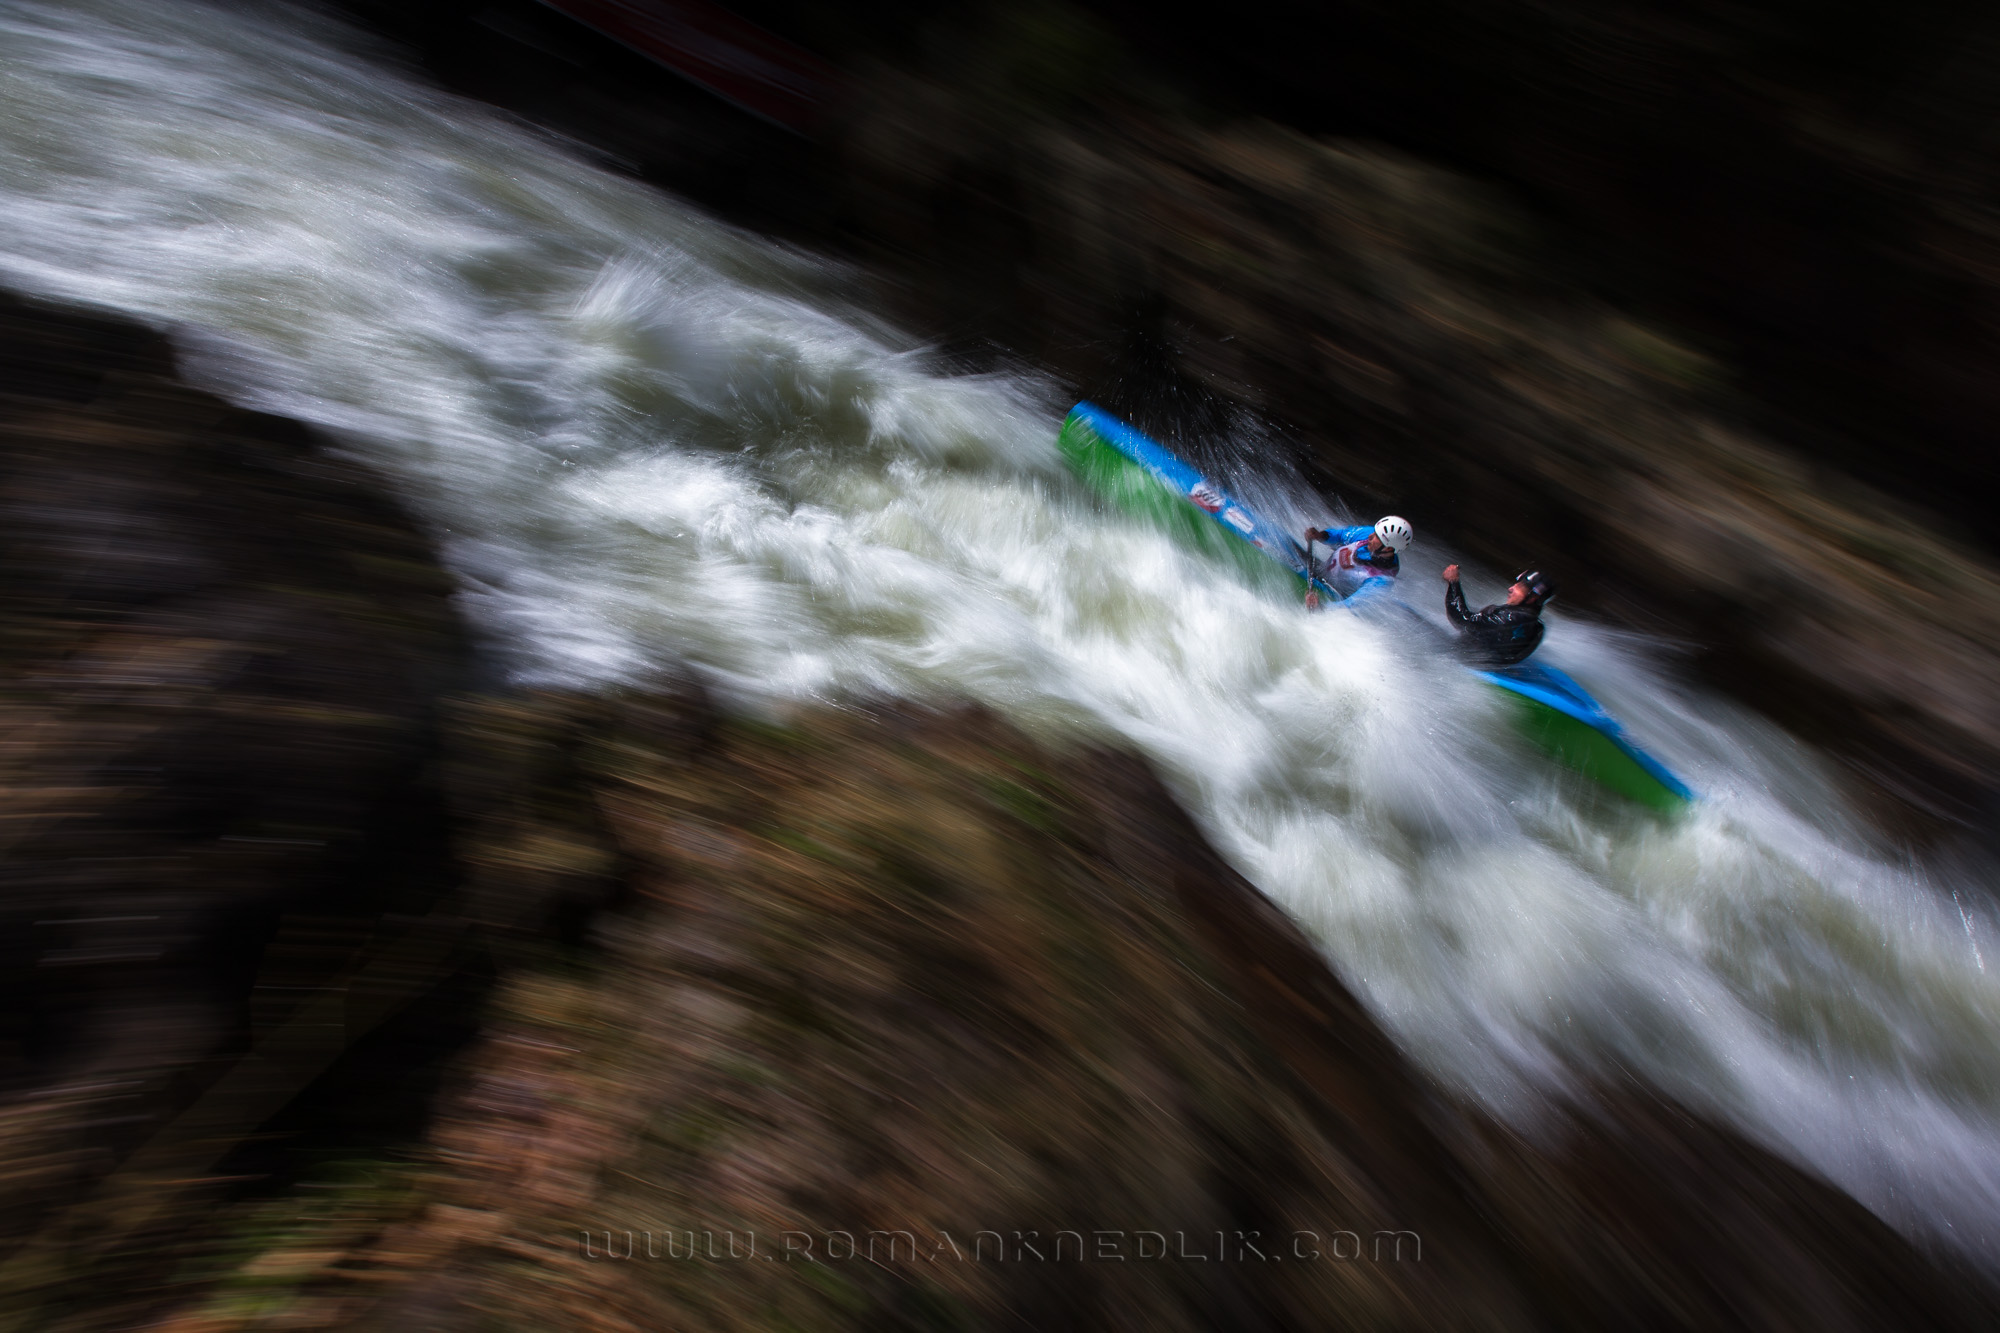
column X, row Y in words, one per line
column 1142, row 477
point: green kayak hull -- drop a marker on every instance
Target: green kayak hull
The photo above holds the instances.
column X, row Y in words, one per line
column 1582, row 747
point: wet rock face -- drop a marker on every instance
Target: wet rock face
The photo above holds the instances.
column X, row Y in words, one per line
column 900, row 1020
column 1807, row 186
column 220, row 652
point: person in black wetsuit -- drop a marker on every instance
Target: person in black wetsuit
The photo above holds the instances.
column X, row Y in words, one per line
column 1500, row 635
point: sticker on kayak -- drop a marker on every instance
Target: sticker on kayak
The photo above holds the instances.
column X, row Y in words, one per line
column 1206, row 496
column 1239, row 520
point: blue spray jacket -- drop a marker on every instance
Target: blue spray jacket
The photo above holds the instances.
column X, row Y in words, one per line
column 1354, row 571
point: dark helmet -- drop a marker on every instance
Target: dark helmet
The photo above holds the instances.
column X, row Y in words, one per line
column 1539, row 585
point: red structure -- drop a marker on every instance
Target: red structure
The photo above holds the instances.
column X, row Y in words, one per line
column 738, row 61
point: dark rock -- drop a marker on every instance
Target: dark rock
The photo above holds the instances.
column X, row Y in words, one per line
column 222, row 650
column 908, row 978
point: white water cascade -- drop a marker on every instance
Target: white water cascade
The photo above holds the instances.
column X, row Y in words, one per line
column 644, row 439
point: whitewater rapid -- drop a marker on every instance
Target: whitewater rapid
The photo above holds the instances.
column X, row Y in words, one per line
column 646, row 441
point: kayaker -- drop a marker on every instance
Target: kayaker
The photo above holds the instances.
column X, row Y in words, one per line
column 1364, row 559
column 1500, row 635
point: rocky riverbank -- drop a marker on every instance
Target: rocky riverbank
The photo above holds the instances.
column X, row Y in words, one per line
column 895, row 1019
column 1021, row 182
column 223, row 653
column 347, row 992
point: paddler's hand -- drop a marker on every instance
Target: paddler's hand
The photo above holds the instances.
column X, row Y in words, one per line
column 1312, row 600
column 1451, row 573
column 1317, row 535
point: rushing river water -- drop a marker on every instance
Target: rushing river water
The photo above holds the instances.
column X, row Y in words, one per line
column 646, row 439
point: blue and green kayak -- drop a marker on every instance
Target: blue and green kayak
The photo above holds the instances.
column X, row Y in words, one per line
column 1143, row 477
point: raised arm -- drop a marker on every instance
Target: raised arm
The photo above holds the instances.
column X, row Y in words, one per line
column 1454, row 598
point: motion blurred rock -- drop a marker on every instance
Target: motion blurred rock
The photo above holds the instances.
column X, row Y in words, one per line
column 220, row 821
column 901, row 1020
column 1812, row 189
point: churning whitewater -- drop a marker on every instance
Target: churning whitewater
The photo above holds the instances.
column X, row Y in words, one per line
column 648, row 442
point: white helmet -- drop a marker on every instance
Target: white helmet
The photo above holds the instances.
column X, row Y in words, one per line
column 1396, row 533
